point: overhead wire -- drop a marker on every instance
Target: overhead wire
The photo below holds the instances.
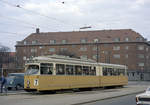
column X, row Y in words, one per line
column 48, row 17
column 13, row 33
column 18, row 25
column 25, row 22
column 22, row 21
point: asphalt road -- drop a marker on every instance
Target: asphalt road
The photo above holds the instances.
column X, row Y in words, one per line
column 76, row 98
column 124, row 100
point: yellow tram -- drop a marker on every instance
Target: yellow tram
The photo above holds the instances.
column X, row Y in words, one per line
column 46, row 73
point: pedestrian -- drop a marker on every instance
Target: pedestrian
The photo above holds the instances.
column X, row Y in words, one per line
column 3, row 84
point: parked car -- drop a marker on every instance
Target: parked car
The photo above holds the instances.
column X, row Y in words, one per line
column 15, row 80
column 144, row 98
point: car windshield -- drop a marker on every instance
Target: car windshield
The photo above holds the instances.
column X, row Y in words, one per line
column 148, row 89
column 32, row 69
column 15, row 75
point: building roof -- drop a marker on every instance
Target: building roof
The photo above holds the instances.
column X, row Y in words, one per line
column 77, row 36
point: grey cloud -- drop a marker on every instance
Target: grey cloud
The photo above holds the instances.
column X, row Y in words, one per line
column 100, row 14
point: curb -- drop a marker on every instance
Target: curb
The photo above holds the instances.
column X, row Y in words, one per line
column 6, row 94
column 106, row 98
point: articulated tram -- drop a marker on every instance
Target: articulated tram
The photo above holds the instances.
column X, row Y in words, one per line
column 46, row 73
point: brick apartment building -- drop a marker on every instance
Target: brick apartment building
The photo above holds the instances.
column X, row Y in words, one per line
column 122, row 46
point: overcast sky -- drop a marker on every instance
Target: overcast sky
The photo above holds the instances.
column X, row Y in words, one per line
column 19, row 18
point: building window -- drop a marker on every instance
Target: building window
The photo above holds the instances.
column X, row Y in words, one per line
column 40, row 47
column 95, row 48
column 117, row 39
column 83, row 49
column 140, row 47
column 116, row 56
column 147, row 49
column 94, row 57
column 127, row 39
column 33, row 50
column 24, row 58
column 52, row 50
column 139, row 39
column 140, row 55
column 126, row 47
column 64, row 41
column 141, row 64
column 83, row 57
column 116, row 48
column 96, row 40
column 83, row 40
column 106, row 45
column 147, row 56
column 25, row 42
column 126, row 56
column 63, row 49
column 34, row 42
column 52, row 41
column 105, row 52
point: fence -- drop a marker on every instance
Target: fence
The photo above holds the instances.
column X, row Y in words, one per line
column 136, row 75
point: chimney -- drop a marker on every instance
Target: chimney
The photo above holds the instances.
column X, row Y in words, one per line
column 37, row 30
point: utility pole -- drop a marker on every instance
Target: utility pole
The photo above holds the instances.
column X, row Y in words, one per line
column 2, row 72
column 97, row 50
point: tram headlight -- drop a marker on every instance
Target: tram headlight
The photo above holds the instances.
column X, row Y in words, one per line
column 28, row 82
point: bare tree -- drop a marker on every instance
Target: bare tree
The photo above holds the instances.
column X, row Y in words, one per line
column 4, row 48
column 4, row 55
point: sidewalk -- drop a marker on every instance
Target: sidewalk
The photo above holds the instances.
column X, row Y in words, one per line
column 101, row 95
column 13, row 92
column 110, row 93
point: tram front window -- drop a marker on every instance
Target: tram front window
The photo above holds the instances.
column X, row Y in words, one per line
column 32, row 69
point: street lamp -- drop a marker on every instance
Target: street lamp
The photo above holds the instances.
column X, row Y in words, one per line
column 86, row 27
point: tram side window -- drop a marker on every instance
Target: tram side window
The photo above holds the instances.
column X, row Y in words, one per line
column 114, row 72
column 109, row 71
column 69, row 69
column 121, row 72
column 78, row 70
column 104, row 71
column 92, row 70
column 60, row 69
column 86, row 70
column 47, row 68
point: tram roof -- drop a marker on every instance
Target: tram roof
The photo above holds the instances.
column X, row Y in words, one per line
column 66, row 59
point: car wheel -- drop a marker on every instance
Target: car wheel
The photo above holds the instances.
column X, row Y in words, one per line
column 18, row 87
